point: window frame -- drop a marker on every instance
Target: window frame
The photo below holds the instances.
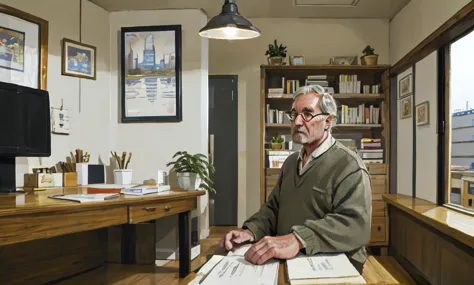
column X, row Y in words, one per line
column 445, row 129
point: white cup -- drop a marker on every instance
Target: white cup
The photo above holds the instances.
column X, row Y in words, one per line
column 123, row 176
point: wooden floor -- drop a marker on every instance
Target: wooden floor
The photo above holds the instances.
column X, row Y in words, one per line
column 381, row 268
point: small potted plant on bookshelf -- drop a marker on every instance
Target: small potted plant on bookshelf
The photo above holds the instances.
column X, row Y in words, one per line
column 192, row 171
column 369, row 57
column 276, row 53
column 277, row 142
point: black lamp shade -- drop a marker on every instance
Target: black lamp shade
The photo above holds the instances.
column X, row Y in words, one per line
column 229, row 25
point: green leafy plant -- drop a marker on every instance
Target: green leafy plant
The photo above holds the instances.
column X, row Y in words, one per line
column 196, row 163
column 368, row 51
column 276, row 50
column 277, row 139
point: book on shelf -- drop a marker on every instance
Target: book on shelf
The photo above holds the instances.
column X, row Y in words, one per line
column 367, row 143
column 358, row 115
column 275, row 116
column 292, row 86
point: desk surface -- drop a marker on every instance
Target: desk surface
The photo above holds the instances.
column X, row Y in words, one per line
column 450, row 222
column 38, row 201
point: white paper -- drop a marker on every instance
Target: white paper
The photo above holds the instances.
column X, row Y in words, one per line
column 344, row 280
column 235, row 270
column 321, row 266
column 239, row 251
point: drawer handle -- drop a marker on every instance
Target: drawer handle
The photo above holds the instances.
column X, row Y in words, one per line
column 149, row 209
column 167, row 208
column 379, row 229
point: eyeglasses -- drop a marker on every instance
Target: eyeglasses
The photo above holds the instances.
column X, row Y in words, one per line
column 307, row 116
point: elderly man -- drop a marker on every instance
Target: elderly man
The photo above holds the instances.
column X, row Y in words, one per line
column 322, row 201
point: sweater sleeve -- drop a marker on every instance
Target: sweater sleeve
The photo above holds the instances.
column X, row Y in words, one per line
column 348, row 227
column 263, row 223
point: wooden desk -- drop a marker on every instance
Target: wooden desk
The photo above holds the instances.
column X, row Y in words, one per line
column 34, row 216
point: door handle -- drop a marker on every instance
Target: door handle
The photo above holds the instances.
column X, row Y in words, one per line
column 149, row 209
column 211, row 148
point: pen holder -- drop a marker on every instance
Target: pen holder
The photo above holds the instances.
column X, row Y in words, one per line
column 82, row 170
column 123, row 176
column 58, row 179
column 70, row 179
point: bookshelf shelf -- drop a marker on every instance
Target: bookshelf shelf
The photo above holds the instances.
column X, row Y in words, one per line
column 362, row 95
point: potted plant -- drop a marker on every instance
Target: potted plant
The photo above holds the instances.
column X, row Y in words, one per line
column 277, row 142
column 192, row 171
column 276, row 53
column 369, row 58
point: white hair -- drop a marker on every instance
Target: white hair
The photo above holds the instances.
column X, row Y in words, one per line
column 327, row 104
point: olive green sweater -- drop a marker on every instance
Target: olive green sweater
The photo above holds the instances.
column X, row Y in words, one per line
column 329, row 206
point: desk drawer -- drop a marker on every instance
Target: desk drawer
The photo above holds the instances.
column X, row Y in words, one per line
column 378, row 232
column 152, row 211
column 379, row 209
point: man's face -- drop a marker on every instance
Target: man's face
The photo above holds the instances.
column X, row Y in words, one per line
column 308, row 132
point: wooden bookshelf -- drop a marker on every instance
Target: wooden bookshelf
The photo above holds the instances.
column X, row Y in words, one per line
column 271, row 77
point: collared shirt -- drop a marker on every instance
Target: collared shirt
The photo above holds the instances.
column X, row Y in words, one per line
column 315, row 154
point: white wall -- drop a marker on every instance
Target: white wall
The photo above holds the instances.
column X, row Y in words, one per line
column 404, row 147
column 416, row 21
column 88, row 125
column 426, row 136
column 317, row 40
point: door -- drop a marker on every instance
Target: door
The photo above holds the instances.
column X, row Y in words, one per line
column 223, row 148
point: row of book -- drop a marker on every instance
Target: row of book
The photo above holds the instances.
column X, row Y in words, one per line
column 275, row 116
column 358, row 115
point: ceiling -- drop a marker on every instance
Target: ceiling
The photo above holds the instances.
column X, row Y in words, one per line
column 270, row 8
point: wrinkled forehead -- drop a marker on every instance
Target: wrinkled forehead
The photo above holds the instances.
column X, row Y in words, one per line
column 307, row 102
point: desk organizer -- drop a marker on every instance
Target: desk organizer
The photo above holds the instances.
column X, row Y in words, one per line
column 37, row 180
column 70, row 179
column 90, row 173
column 123, row 176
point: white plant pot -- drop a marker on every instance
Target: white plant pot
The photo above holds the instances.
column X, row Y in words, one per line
column 123, row 176
column 188, row 181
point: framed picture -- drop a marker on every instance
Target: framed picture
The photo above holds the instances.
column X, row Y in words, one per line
column 78, row 59
column 422, row 111
column 23, row 48
column 406, row 107
column 151, row 74
column 297, row 60
column 343, row 60
column 405, row 86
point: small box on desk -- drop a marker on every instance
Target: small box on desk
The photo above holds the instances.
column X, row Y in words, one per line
column 90, row 173
column 70, row 179
column 38, row 180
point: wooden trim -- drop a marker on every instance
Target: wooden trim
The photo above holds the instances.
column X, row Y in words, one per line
column 381, row 67
column 63, row 59
column 43, row 41
column 445, row 70
column 461, row 23
column 409, row 267
column 262, row 136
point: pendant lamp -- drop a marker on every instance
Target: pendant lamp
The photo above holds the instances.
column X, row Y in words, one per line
column 229, row 25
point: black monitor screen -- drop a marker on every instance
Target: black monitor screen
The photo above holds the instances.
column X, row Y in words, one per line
column 24, row 121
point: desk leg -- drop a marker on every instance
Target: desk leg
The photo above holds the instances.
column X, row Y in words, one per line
column 184, row 244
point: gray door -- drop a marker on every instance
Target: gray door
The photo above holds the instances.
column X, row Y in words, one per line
column 223, row 148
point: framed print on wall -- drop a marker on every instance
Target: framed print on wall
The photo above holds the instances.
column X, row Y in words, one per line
column 23, row 48
column 405, row 86
column 151, row 74
column 78, row 59
column 422, row 111
column 406, row 108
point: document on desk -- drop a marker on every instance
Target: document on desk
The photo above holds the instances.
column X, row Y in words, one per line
column 322, row 268
column 235, row 270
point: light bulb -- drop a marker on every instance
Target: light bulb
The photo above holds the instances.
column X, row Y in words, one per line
column 230, row 31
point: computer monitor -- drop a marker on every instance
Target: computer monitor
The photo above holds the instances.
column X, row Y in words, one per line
column 24, row 128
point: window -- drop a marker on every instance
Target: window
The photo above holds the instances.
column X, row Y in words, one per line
column 459, row 141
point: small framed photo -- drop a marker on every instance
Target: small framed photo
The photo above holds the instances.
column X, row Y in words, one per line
column 343, row 60
column 423, row 113
column 78, row 59
column 406, row 107
column 405, row 86
column 297, row 60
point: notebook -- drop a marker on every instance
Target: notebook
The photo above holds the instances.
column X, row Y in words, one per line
column 84, row 198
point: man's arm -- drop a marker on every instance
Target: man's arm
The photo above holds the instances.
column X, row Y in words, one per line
column 348, row 227
column 263, row 223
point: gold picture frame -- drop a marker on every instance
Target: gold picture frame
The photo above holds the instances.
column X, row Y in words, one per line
column 78, row 59
column 43, row 27
column 422, row 112
column 406, row 107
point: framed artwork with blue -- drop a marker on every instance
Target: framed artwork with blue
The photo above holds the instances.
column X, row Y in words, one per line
column 151, row 74
column 78, row 59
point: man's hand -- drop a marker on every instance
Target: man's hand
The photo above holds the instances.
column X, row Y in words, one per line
column 236, row 236
column 282, row 247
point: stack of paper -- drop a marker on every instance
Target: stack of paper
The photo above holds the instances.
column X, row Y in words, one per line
column 323, row 269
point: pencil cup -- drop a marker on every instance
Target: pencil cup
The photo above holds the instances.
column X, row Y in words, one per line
column 123, row 176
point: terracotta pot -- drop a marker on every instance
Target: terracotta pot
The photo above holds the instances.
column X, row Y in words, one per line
column 369, row 59
column 276, row 145
column 275, row 60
